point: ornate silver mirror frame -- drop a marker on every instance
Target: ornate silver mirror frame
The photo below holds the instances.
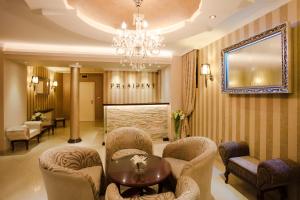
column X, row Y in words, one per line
column 279, row 83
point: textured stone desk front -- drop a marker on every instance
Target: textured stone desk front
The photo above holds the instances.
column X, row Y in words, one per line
column 153, row 119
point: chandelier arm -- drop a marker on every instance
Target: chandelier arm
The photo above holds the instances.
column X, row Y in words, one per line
column 134, row 47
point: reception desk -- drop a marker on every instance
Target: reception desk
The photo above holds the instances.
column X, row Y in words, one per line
column 153, row 118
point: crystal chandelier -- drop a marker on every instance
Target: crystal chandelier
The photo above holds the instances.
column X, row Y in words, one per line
column 135, row 46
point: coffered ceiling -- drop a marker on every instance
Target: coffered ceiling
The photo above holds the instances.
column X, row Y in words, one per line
column 87, row 26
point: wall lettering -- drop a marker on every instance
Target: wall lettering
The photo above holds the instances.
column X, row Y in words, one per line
column 132, row 85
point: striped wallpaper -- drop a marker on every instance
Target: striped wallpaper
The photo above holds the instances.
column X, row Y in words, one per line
column 42, row 102
column 269, row 123
column 129, row 94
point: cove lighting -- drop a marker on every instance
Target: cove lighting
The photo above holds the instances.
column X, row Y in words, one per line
column 68, row 49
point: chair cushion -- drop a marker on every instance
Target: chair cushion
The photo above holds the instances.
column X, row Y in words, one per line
column 245, row 167
column 126, row 152
column 176, row 166
column 95, row 173
column 17, row 133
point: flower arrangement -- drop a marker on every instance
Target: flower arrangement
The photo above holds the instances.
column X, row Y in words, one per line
column 38, row 116
column 139, row 162
column 178, row 116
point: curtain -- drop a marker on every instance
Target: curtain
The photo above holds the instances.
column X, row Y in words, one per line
column 189, row 65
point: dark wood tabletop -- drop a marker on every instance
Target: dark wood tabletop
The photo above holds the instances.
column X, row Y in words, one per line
column 122, row 172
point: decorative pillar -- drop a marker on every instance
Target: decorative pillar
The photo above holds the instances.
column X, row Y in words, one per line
column 74, row 110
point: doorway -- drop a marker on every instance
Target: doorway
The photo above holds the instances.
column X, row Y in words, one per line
column 87, row 101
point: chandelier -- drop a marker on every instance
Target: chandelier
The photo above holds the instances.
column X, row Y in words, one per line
column 135, row 46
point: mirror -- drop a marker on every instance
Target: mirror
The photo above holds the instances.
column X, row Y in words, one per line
column 43, row 87
column 258, row 64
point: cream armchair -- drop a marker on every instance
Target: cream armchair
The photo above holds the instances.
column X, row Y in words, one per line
column 186, row 189
column 193, row 157
column 127, row 141
column 72, row 173
column 24, row 133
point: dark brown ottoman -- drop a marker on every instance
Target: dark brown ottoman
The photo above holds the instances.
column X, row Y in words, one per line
column 264, row 175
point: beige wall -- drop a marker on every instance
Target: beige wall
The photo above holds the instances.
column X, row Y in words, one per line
column 42, row 102
column 165, row 79
column 175, row 89
column 91, row 77
column 13, row 97
column 15, row 104
column 131, row 95
column 269, row 123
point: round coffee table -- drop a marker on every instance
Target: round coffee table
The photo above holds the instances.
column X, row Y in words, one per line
column 122, row 172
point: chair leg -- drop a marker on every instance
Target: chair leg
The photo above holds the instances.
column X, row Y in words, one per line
column 260, row 195
column 283, row 193
column 226, row 174
column 26, row 144
column 12, row 144
column 38, row 139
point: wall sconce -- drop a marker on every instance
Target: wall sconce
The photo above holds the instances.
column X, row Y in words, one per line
column 205, row 70
column 34, row 81
column 54, row 84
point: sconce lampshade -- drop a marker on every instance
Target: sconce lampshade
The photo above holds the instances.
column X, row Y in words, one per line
column 55, row 84
column 205, row 69
column 35, row 79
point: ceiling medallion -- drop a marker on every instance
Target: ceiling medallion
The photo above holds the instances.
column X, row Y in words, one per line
column 136, row 46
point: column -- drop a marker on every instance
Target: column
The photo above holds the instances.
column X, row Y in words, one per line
column 74, row 109
column 3, row 143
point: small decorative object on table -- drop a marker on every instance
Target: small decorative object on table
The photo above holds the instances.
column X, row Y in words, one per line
column 140, row 163
column 38, row 116
column 178, row 116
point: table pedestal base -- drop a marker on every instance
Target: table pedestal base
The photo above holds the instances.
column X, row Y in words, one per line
column 137, row 192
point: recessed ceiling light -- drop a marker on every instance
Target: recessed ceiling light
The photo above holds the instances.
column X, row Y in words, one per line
column 212, row 17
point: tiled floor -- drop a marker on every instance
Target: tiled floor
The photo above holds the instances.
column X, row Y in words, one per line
column 20, row 177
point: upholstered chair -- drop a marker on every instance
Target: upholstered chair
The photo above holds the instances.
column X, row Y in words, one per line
column 126, row 141
column 186, row 189
column 193, row 157
column 72, row 173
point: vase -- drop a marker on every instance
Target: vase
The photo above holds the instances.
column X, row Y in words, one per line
column 139, row 168
column 177, row 135
column 177, row 129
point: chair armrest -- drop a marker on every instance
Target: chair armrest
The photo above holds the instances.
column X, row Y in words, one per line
column 229, row 150
column 112, row 192
column 277, row 172
column 33, row 124
column 187, row 188
column 92, row 159
column 174, row 150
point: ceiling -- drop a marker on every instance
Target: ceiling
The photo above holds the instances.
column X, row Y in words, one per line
column 167, row 12
column 83, row 30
